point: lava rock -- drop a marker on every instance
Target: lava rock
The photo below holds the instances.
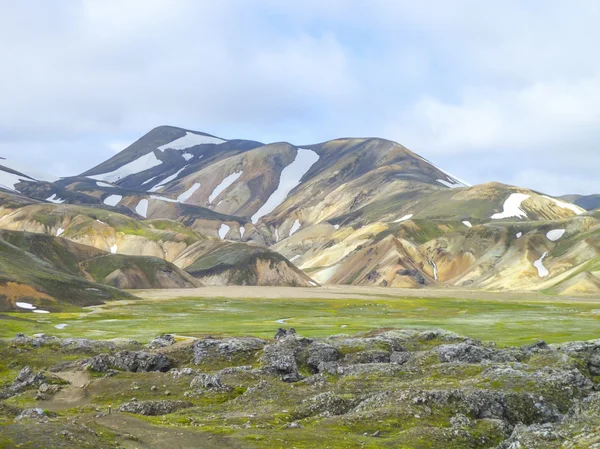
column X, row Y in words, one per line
column 154, row 408
column 162, row 341
column 129, row 361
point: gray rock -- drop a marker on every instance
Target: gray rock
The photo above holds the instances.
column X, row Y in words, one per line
column 129, row 361
column 324, row 405
column 319, row 353
column 36, row 414
column 471, row 353
column 37, row 341
column 154, row 408
column 209, row 382
column 281, row 357
column 399, row 358
column 25, row 379
column 594, row 363
column 162, row 341
column 282, row 333
column 228, row 348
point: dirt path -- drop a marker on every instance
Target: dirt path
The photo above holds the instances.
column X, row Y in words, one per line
column 148, row 436
column 74, row 395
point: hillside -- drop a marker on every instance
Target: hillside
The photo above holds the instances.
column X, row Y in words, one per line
column 29, row 282
column 364, row 211
column 57, row 271
column 587, row 202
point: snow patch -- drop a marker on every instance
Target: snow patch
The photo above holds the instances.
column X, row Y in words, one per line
column 141, row 164
column 101, row 222
column 187, row 156
column 336, row 227
column 167, row 180
column 314, row 284
column 295, row 227
column 142, row 208
column 519, row 235
column 225, row 183
column 104, row 184
column 406, row 217
column 290, row 178
column 59, row 232
column 148, row 181
column 188, row 141
column 188, row 193
column 163, row 198
column 539, row 264
column 467, row 224
column 25, row 305
column 54, row 199
column 40, row 311
column 61, row 326
column 276, row 234
column 296, row 257
column 555, row 234
column 242, row 231
column 282, row 320
column 112, row 200
column 452, row 185
column 435, row 270
column 564, row 205
column 512, row 207
column 114, row 248
column 223, row 230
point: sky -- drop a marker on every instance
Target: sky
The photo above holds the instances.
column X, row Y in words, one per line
column 490, row 91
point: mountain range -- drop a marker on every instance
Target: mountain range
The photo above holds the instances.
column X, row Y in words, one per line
column 184, row 208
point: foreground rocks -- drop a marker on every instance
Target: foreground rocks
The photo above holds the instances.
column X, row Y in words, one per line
column 397, row 388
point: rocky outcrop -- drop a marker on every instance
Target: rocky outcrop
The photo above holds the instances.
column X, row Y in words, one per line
column 154, row 408
column 25, row 379
column 210, row 382
column 162, row 341
column 230, row 348
column 129, row 361
column 281, row 357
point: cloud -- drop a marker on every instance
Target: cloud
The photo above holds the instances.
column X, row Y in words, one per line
column 487, row 90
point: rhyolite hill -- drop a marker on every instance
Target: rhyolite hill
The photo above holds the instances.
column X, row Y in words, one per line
column 363, row 211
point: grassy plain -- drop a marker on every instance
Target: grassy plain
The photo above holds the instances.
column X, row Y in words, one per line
column 508, row 319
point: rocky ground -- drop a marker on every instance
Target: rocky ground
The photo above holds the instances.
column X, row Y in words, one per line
column 387, row 388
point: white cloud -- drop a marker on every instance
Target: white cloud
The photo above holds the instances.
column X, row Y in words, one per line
column 514, row 81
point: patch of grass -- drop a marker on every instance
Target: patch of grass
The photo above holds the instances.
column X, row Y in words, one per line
column 514, row 321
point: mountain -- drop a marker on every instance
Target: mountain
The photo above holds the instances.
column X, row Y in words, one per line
column 348, row 211
column 587, row 202
column 48, row 280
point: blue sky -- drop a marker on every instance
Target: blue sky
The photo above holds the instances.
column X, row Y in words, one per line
column 490, row 91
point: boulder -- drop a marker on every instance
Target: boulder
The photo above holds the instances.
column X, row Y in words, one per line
column 229, row 348
column 281, row 357
column 36, row 414
column 162, row 341
column 324, row 405
column 282, row 333
column 129, row 361
column 37, row 341
column 472, row 353
column 209, row 382
column 319, row 353
column 154, row 408
column 399, row 357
